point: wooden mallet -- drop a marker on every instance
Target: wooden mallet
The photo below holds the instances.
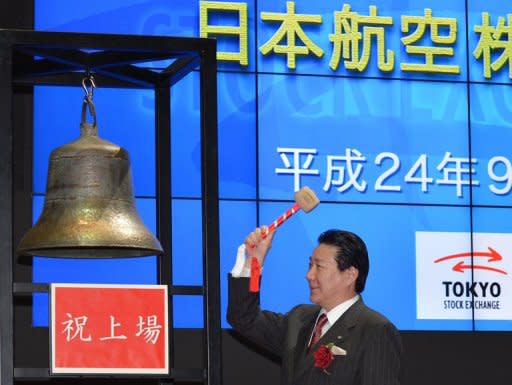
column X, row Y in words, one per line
column 305, row 200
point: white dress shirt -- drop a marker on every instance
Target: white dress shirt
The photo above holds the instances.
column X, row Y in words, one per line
column 334, row 314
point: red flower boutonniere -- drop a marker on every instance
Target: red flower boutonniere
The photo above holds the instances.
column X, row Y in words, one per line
column 324, row 355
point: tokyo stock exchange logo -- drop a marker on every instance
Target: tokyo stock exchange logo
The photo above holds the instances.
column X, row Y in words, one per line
column 459, row 280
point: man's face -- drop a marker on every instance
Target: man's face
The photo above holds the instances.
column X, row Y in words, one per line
column 329, row 286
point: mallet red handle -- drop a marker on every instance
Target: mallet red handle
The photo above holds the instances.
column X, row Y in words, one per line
column 280, row 220
column 306, row 200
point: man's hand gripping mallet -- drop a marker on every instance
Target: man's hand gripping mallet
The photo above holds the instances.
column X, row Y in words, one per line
column 305, row 200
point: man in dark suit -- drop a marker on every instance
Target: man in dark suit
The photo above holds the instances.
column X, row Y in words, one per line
column 339, row 340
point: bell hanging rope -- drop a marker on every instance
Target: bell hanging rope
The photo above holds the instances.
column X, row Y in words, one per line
column 89, row 209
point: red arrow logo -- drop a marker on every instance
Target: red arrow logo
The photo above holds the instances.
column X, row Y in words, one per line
column 460, row 267
column 492, row 254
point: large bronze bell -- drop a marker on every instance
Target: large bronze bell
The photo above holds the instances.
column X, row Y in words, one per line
column 89, row 209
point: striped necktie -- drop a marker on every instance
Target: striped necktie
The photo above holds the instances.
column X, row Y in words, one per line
column 317, row 333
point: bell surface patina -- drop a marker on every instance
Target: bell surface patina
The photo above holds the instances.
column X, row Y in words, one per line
column 89, row 209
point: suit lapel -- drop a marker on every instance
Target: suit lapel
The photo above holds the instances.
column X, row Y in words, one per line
column 299, row 321
column 336, row 334
column 304, row 335
column 303, row 360
column 341, row 329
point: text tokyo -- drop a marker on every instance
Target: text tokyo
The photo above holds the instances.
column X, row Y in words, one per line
column 472, row 289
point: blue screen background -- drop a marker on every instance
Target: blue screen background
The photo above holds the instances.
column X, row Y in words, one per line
column 265, row 106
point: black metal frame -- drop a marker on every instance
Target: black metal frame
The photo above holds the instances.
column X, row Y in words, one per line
column 32, row 57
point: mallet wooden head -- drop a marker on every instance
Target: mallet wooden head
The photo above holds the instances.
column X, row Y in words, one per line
column 306, row 199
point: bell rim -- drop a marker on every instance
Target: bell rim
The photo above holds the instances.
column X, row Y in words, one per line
column 89, row 252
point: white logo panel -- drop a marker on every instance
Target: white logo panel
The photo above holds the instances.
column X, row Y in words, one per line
column 453, row 283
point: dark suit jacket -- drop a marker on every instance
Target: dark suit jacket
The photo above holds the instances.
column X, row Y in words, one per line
column 373, row 345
